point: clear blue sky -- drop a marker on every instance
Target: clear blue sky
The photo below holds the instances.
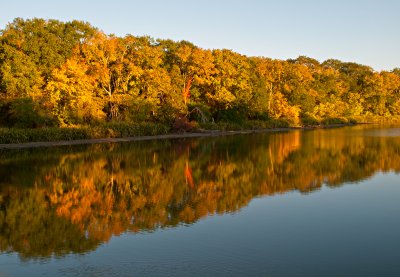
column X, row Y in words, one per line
column 363, row 31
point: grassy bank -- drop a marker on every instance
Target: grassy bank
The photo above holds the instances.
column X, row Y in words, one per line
column 124, row 130
column 112, row 130
column 245, row 125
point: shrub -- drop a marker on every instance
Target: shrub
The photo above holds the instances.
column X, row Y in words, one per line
column 24, row 113
column 199, row 113
column 260, row 116
column 280, row 123
column 308, row 120
column 182, row 124
column 166, row 114
column 352, row 121
column 236, row 115
column 138, row 111
column 334, row 121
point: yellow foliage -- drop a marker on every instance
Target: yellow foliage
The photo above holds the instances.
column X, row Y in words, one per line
column 71, row 93
column 281, row 109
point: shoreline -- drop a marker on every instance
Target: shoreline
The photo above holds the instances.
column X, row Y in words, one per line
column 203, row 133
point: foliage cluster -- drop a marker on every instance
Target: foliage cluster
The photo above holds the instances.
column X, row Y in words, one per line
column 60, row 74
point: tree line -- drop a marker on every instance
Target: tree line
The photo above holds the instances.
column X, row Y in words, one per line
column 55, row 73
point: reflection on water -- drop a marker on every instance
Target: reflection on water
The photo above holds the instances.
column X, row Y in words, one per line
column 70, row 200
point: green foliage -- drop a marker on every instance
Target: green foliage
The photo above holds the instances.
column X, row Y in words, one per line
column 199, row 112
column 247, row 125
column 19, row 76
column 308, row 119
column 280, row 123
column 352, row 120
column 137, row 111
column 48, row 43
column 106, row 130
column 237, row 114
column 24, row 113
column 166, row 114
column 120, row 129
column 334, row 121
column 257, row 115
column 43, row 134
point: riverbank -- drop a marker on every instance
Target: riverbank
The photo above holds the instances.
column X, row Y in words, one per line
column 198, row 133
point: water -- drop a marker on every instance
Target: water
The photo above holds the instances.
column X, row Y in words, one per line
column 300, row 203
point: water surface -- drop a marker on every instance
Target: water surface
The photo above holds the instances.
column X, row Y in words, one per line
column 323, row 202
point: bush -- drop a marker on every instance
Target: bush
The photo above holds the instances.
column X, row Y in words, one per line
column 199, row 113
column 280, row 123
column 247, row 125
column 139, row 111
column 308, row 120
column 352, row 121
column 260, row 116
column 334, row 121
column 166, row 114
column 122, row 129
column 24, row 113
column 182, row 124
column 236, row 115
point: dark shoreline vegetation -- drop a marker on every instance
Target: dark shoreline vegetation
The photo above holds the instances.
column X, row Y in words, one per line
column 69, row 80
column 89, row 135
column 32, row 138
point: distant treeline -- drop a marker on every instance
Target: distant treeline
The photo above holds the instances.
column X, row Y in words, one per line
column 56, row 73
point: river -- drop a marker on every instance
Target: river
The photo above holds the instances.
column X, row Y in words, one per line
column 297, row 203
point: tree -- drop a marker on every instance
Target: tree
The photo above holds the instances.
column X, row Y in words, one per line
column 298, row 80
column 71, row 94
column 48, row 43
column 19, row 76
column 230, row 84
column 193, row 65
column 105, row 57
column 271, row 73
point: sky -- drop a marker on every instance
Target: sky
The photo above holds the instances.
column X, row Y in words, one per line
column 361, row 31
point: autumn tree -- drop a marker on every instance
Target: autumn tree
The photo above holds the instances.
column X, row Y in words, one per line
column 271, row 74
column 76, row 74
column 71, row 94
column 230, row 85
column 193, row 65
column 19, row 76
column 48, row 43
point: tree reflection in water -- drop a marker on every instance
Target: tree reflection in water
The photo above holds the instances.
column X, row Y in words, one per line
column 56, row 201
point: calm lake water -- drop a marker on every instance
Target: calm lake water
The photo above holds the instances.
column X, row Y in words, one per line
column 299, row 203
